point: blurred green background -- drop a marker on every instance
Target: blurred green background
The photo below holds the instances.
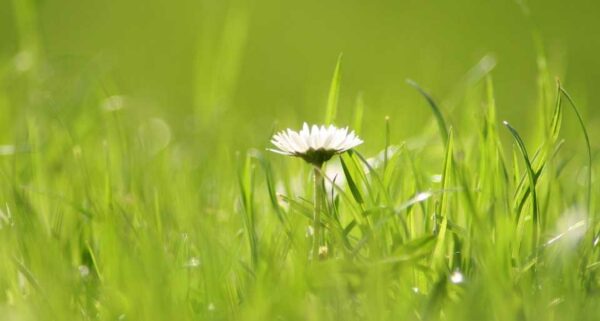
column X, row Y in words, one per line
column 127, row 131
column 260, row 62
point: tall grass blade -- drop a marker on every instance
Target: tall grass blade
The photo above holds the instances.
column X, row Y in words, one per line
column 334, row 93
column 438, row 255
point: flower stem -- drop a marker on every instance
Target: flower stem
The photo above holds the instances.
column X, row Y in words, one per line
column 318, row 185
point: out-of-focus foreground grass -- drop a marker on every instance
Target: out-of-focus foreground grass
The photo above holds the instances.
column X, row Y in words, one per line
column 136, row 185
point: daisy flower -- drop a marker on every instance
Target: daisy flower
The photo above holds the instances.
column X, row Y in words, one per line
column 315, row 144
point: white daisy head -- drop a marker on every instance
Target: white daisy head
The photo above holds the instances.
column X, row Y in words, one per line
column 315, row 144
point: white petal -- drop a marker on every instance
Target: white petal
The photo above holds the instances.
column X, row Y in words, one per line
column 329, row 136
column 314, row 137
column 279, row 152
column 300, row 143
column 352, row 141
column 305, row 135
column 285, row 141
column 322, row 136
column 340, row 138
column 347, row 142
column 292, row 141
column 280, row 146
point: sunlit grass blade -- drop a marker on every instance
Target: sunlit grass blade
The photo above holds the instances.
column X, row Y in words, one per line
column 334, row 93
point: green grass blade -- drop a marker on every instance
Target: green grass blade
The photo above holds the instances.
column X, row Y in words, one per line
column 334, row 93
column 588, row 147
column 532, row 181
column 438, row 256
column 443, row 127
column 351, row 184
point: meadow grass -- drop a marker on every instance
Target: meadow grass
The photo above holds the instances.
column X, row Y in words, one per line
column 102, row 221
column 106, row 215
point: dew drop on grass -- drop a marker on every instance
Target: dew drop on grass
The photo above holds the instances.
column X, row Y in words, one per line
column 193, row 262
column 437, row 178
column 84, row 270
column 310, row 231
column 323, row 251
column 457, row 277
column 422, row 196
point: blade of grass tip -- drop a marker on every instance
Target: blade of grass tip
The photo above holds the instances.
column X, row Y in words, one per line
column 532, row 181
column 443, row 128
column 334, row 92
column 587, row 146
column 438, row 256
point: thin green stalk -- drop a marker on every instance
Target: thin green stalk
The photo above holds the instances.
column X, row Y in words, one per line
column 318, row 197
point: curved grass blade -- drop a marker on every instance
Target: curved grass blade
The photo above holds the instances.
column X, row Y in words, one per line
column 587, row 146
column 435, row 108
column 532, row 181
